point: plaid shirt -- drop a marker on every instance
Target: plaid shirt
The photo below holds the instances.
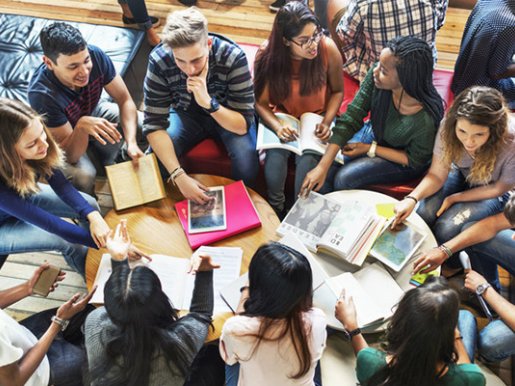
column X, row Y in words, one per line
column 368, row 25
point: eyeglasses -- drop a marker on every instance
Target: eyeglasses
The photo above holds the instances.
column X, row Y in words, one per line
column 317, row 36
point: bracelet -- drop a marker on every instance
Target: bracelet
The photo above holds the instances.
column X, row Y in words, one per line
column 446, row 250
column 179, row 173
column 245, row 287
column 411, row 198
column 60, row 322
column 175, row 173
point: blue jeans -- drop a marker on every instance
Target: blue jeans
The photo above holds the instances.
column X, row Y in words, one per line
column 17, row 236
column 186, row 131
column 139, row 13
column 232, row 375
column 495, row 342
column 362, row 171
column 67, row 355
column 451, row 222
column 485, row 256
column 82, row 173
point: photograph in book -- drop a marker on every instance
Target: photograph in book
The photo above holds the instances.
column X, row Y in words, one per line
column 210, row 216
column 396, row 247
column 309, row 218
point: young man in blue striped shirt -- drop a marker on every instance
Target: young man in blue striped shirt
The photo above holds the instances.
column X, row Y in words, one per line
column 198, row 86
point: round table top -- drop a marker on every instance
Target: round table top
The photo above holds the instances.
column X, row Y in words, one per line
column 156, row 229
column 323, row 297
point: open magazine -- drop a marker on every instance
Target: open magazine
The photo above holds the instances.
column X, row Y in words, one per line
column 346, row 230
column 307, row 140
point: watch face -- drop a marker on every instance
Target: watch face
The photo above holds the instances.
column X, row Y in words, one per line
column 481, row 288
column 214, row 104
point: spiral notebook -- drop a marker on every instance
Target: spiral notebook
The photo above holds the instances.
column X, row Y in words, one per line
column 240, row 211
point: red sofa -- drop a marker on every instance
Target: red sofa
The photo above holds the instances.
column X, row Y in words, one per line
column 210, row 157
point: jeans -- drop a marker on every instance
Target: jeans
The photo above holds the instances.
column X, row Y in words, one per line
column 67, row 355
column 186, row 131
column 17, row 236
column 362, row 171
column 139, row 13
column 451, row 222
column 495, row 342
column 82, row 174
column 232, row 375
column 485, row 256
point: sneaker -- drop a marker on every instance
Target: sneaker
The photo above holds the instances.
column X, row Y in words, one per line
column 276, row 5
column 188, row 3
column 130, row 22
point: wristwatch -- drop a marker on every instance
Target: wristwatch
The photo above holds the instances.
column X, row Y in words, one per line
column 480, row 290
column 215, row 106
column 372, row 151
column 61, row 322
column 348, row 335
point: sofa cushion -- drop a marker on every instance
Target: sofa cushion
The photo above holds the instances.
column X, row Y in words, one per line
column 20, row 50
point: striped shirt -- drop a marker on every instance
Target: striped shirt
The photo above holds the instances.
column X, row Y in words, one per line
column 368, row 25
column 487, row 48
column 228, row 80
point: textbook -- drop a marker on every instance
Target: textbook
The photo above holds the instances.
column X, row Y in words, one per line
column 346, row 230
column 307, row 140
column 176, row 282
column 241, row 215
column 374, row 291
column 132, row 186
column 231, row 293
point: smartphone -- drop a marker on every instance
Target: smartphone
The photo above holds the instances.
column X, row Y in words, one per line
column 45, row 281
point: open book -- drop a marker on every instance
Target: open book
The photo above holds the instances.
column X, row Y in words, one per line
column 346, row 230
column 133, row 186
column 307, row 140
column 374, row 291
column 231, row 293
column 176, row 282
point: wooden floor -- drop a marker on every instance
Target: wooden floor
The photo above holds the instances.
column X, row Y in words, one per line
column 247, row 21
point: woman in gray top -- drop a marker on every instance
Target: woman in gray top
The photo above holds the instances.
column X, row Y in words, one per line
column 137, row 338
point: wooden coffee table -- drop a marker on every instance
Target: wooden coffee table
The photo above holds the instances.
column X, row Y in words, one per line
column 155, row 228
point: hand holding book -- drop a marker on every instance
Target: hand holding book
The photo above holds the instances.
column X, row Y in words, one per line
column 345, row 311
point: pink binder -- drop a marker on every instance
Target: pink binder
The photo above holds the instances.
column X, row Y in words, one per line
column 241, row 216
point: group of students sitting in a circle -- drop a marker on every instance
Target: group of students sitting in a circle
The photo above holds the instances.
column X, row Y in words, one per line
column 467, row 156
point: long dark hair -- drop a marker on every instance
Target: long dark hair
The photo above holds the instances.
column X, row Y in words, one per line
column 273, row 63
column 281, row 287
column 415, row 71
column 420, row 334
column 141, row 313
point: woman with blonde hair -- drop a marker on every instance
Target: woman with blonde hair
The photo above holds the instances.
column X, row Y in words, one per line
column 31, row 211
column 473, row 166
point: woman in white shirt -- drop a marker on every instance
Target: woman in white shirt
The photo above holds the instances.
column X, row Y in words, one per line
column 278, row 337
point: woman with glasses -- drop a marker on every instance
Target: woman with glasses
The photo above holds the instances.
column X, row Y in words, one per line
column 396, row 144
column 297, row 70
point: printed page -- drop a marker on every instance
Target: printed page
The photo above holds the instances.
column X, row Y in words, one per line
column 229, row 259
column 103, row 273
column 132, row 186
column 231, row 294
column 347, row 227
column 367, row 308
column 309, row 218
column 381, row 286
column 268, row 139
column 308, row 138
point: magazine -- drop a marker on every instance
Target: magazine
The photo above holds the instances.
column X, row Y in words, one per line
column 307, row 140
column 346, row 230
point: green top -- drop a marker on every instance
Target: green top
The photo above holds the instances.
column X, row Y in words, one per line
column 370, row 361
column 414, row 134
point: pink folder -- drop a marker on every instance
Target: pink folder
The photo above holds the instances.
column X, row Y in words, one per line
column 241, row 216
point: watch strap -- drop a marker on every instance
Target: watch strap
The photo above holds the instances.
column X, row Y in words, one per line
column 61, row 322
column 350, row 334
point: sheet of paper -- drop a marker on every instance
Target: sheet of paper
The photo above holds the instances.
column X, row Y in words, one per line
column 103, row 273
column 229, row 259
column 231, row 293
column 385, row 210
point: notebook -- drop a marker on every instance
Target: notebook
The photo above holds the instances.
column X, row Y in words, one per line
column 241, row 216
